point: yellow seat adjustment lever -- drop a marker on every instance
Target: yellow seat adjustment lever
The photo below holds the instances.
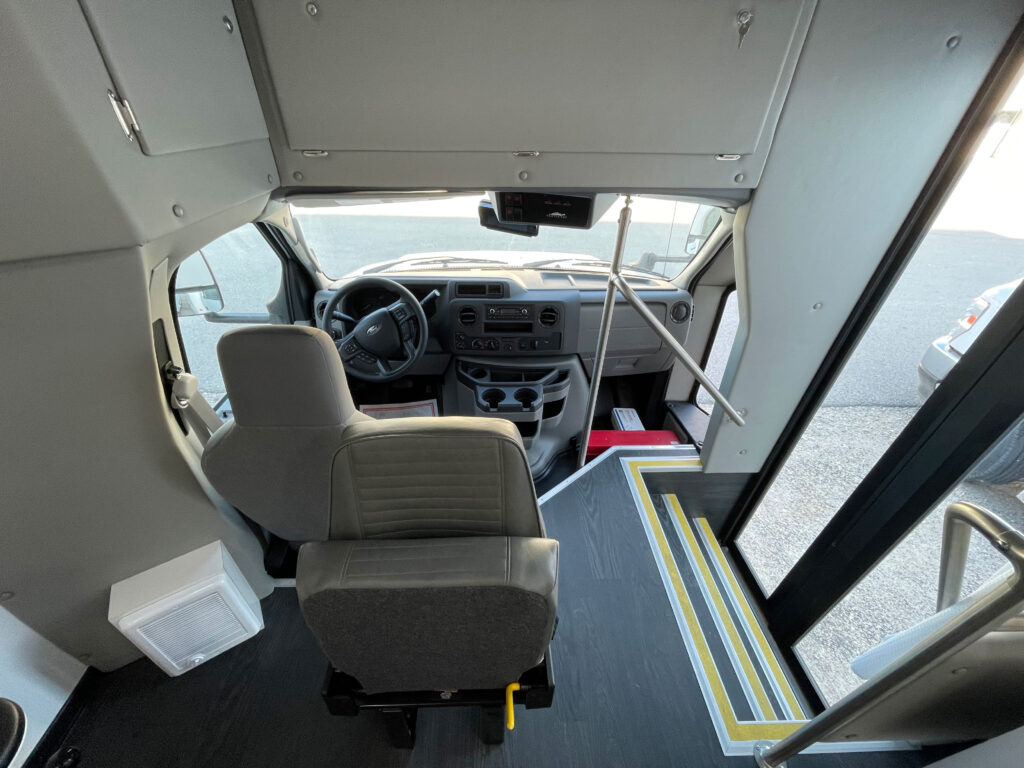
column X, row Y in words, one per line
column 510, row 713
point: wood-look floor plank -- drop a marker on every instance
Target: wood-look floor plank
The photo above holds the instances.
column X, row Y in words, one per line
column 626, row 694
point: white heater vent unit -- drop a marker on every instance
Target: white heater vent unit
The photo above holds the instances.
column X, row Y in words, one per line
column 187, row 610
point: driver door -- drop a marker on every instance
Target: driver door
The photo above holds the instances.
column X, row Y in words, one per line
column 236, row 280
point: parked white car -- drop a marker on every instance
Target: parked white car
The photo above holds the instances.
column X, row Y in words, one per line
column 1005, row 462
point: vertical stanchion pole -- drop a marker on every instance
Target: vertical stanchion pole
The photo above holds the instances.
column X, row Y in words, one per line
column 606, row 325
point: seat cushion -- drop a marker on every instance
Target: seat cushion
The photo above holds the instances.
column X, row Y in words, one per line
column 431, row 614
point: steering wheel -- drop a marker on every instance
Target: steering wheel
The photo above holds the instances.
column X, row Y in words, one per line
column 385, row 343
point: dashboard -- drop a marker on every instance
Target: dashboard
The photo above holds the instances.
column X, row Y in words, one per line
column 519, row 344
column 530, row 314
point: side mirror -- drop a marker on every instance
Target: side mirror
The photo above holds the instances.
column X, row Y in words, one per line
column 195, row 289
column 489, row 220
column 704, row 223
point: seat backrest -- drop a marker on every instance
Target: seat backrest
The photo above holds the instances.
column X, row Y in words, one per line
column 300, row 460
column 432, row 477
column 291, row 406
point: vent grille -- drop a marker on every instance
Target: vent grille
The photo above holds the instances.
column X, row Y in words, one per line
column 467, row 315
column 549, row 316
column 194, row 630
column 479, row 290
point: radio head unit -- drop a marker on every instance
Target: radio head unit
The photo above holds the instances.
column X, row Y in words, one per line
column 508, row 328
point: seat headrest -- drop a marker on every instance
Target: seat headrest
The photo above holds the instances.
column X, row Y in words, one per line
column 284, row 376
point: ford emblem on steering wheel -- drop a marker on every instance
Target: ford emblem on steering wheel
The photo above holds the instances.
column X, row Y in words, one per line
column 373, row 329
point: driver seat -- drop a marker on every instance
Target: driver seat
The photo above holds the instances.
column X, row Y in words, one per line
column 423, row 565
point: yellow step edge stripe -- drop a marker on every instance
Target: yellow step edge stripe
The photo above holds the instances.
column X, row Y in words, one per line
column 665, row 464
column 764, row 705
column 748, row 614
column 736, row 730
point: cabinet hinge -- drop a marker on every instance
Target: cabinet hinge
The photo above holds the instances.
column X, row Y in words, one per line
column 125, row 116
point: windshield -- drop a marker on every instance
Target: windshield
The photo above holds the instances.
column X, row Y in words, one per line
column 664, row 235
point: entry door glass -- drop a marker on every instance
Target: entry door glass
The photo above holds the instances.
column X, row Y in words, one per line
column 960, row 277
column 902, row 589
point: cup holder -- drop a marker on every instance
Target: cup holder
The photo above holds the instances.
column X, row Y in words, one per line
column 526, row 397
column 492, row 397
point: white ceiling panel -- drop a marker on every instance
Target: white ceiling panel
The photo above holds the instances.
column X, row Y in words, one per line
column 569, row 76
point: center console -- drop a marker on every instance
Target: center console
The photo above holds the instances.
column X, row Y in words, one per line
column 544, row 397
column 508, row 328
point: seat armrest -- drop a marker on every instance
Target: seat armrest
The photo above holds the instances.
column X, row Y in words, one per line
column 431, row 477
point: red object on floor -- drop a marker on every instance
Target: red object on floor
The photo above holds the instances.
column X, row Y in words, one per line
column 603, row 439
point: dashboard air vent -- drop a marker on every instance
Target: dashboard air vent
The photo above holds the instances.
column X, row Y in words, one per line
column 467, row 315
column 321, row 307
column 549, row 316
column 479, row 290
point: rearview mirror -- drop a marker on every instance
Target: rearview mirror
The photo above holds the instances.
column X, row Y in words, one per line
column 489, row 220
column 195, row 289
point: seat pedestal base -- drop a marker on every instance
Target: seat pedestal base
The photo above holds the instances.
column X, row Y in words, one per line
column 344, row 696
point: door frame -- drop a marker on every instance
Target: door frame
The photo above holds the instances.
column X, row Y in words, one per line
column 950, row 432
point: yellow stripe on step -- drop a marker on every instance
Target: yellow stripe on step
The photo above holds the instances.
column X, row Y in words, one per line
column 764, row 705
column 755, row 625
column 736, row 730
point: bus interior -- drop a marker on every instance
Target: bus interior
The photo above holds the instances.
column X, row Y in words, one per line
column 559, row 382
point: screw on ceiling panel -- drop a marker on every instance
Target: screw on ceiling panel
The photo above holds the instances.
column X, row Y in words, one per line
column 953, row 42
column 177, row 210
column 297, row 176
column 523, row 175
column 312, row 9
column 4, row 596
column 228, row 25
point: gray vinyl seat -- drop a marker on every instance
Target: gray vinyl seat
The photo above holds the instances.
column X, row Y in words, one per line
column 424, row 564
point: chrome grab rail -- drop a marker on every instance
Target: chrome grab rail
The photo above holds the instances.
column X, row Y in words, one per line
column 961, row 519
column 617, row 284
column 998, row 604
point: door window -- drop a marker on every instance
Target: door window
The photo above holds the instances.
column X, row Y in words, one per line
column 233, row 282
column 957, row 282
column 725, row 336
